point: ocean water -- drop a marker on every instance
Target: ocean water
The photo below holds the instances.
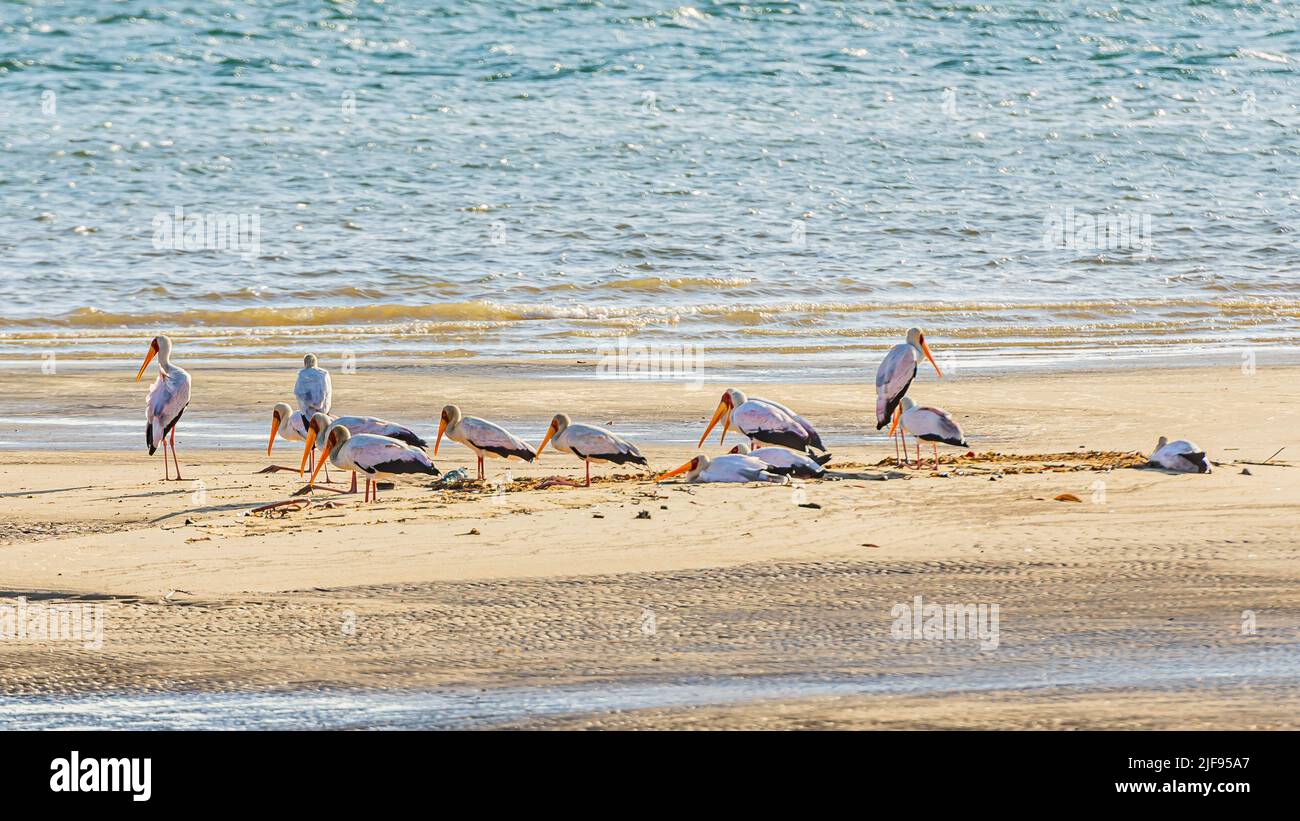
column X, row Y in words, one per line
column 766, row 181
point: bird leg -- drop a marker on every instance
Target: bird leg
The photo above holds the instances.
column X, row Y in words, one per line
column 588, row 461
column 167, row 471
column 174, row 460
column 481, row 475
column 918, row 452
column 936, row 455
column 354, row 482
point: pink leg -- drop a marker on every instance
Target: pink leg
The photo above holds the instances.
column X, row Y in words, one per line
column 936, row 455
column 918, row 452
column 588, row 461
column 174, row 460
column 354, row 482
column 167, row 470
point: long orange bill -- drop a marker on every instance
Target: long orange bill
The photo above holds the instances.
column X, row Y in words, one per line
column 320, row 463
column 926, row 348
column 549, row 433
column 153, row 351
column 275, row 426
column 442, row 426
column 676, row 471
column 311, row 440
column 717, row 414
column 898, row 414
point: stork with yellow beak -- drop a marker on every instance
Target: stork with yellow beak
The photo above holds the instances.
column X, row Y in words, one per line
column 378, row 457
column 589, row 442
column 895, row 375
column 167, row 400
column 763, row 420
column 356, row 425
column 481, row 436
column 731, row 467
column 291, row 426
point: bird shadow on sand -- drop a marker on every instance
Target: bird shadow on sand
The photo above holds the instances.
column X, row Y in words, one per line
column 204, row 509
column 21, row 493
column 866, row 475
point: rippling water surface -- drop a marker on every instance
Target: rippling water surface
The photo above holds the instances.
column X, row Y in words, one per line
column 454, row 179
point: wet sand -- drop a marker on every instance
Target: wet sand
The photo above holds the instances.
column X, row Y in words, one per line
column 1124, row 609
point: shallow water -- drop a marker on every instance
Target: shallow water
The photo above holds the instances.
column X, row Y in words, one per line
column 452, row 180
column 465, row 708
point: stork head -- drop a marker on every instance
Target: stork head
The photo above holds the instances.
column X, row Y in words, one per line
column 741, row 449
column 316, row 429
column 159, row 346
column 279, row 417
column 692, row 469
column 730, row 399
column 335, row 438
column 558, row 425
column 916, row 338
column 450, row 419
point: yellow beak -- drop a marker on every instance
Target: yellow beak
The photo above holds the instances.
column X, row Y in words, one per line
column 311, row 440
column 320, row 463
column 442, row 426
column 275, row 426
column 549, row 433
column 723, row 410
column 676, row 471
column 153, row 351
column 926, row 348
column 898, row 414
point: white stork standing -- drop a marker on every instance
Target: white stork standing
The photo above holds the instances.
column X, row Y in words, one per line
column 376, row 456
column 763, row 420
column 787, row 462
column 168, row 398
column 895, row 375
column 481, row 436
column 1180, row 455
column 731, row 467
column 934, row 425
column 313, row 390
column 589, row 442
column 356, row 425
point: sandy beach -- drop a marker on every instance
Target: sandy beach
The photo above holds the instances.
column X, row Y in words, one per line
column 1157, row 600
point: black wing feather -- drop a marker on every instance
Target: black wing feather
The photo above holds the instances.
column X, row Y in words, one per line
column 396, row 466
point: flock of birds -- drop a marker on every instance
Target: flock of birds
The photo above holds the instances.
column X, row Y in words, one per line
column 782, row 444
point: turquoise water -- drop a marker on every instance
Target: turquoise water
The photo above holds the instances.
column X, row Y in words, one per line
column 435, row 178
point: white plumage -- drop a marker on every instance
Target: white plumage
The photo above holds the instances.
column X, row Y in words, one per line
column 763, row 420
column 896, row 373
column 313, row 390
column 589, row 442
column 727, row 468
column 168, row 397
column 378, row 457
column 1180, row 455
column 787, row 462
column 481, row 436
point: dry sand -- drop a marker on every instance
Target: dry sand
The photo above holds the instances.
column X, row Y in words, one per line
column 527, row 587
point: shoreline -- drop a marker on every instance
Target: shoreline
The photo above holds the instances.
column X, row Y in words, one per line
column 528, row 588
